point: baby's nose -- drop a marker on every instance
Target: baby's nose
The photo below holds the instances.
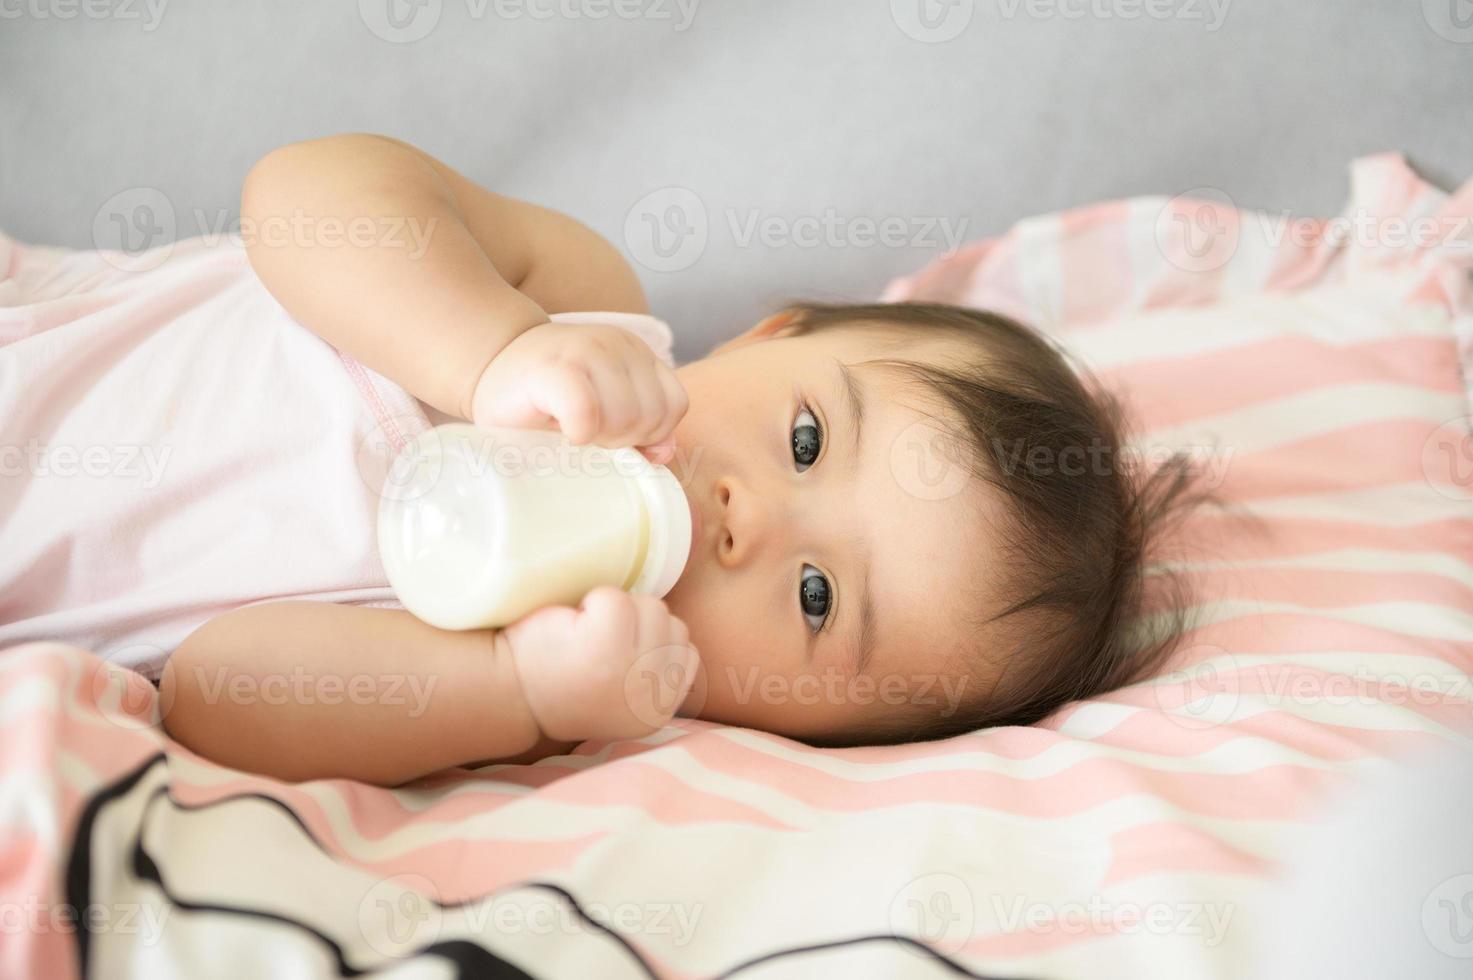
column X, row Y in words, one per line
column 743, row 523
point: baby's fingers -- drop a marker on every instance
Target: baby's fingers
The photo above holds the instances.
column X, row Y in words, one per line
column 636, row 404
column 677, row 402
column 663, row 668
column 657, row 684
column 551, row 391
column 658, row 443
column 628, row 402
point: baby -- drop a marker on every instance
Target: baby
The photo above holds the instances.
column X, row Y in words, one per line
column 910, row 520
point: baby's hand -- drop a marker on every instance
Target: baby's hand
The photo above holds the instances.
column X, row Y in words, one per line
column 599, row 383
column 616, row 667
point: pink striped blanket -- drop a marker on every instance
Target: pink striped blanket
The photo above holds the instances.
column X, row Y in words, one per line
column 1318, row 366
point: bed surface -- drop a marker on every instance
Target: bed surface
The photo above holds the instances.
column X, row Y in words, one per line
column 1144, row 833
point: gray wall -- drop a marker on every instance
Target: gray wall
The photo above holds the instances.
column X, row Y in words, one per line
column 756, row 109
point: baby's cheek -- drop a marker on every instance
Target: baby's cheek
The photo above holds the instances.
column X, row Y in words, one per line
column 728, row 619
column 725, row 677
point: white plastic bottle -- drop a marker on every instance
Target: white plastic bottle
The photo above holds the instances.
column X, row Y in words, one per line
column 478, row 526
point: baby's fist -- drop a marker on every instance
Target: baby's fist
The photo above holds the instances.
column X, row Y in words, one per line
column 618, row 666
column 599, row 383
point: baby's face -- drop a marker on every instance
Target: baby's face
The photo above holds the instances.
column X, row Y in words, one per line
column 790, row 536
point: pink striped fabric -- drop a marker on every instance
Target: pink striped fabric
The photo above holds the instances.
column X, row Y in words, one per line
column 1319, row 366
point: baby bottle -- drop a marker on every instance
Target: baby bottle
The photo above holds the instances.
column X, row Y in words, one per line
column 479, row 525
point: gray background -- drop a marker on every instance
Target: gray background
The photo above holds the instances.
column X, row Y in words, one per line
column 757, row 108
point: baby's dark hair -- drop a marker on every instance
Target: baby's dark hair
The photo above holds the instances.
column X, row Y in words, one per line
column 1076, row 536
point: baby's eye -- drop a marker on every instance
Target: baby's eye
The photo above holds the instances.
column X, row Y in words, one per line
column 813, row 596
column 807, row 439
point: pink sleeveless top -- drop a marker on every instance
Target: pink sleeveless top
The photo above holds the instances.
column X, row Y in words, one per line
column 173, row 445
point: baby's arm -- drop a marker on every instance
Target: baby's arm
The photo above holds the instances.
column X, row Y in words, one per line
column 441, row 273
column 450, row 276
column 304, row 690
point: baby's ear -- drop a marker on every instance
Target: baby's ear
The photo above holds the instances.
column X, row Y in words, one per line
column 780, row 324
